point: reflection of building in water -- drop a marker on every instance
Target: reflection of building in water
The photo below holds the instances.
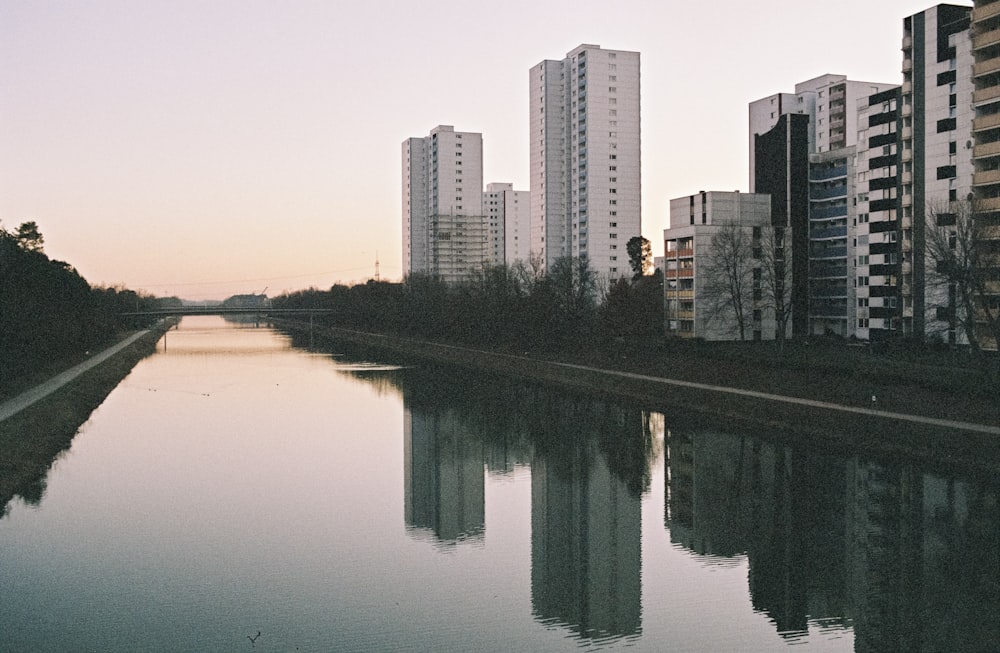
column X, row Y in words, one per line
column 586, row 550
column 707, row 493
column 924, row 556
column 796, row 543
column 443, row 476
column 911, row 559
column 728, row 495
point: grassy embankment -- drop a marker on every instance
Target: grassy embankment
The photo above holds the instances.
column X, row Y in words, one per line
column 33, row 438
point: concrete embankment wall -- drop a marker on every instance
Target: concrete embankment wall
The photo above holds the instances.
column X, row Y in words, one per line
column 694, row 406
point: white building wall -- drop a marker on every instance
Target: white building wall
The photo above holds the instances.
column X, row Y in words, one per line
column 694, row 220
column 586, row 157
column 508, row 216
column 444, row 227
column 938, row 153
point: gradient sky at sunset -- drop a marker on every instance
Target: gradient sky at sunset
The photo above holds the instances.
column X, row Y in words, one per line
column 202, row 149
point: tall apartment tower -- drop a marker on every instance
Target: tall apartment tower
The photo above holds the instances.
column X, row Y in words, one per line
column 444, row 229
column 986, row 141
column 875, row 229
column 936, row 163
column 802, row 152
column 585, row 158
column 508, row 223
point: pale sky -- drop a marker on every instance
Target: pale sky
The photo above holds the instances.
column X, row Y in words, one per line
column 208, row 148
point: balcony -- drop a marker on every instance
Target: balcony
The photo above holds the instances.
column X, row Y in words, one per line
column 981, row 123
column 983, row 12
column 986, row 178
column 907, row 42
column 907, row 178
column 986, row 67
column 986, row 94
column 988, row 204
column 981, row 151
column 907, row 65
column 986, row 39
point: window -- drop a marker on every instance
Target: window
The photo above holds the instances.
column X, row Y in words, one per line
column 614, row 224
column 612, row 236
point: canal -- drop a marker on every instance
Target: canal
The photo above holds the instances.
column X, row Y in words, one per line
column 240, row 490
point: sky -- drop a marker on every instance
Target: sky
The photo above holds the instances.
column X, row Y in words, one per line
column 207, row 148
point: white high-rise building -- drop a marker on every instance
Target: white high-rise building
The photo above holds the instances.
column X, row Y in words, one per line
column 508, row 223
column 829, row 101
column 444, row 229
column 585, row 158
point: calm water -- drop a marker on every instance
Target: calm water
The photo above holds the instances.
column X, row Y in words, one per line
column 236, row 484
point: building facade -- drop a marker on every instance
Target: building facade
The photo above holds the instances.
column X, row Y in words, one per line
column 936, row 158
column 832, row 222
column 444, row 227
column 585, row 158
column 986, row 152
column 508, row 223
column 876, row 249
column 693, row 304
column 803, row 152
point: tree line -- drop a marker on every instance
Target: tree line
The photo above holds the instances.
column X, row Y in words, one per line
column 48, row 312
column 504, row 307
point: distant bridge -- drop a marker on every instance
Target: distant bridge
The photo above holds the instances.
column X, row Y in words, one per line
column 261, row 311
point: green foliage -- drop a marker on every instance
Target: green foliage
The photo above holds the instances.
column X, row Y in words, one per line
column 640, row 255
column 30, row 237
column 633, row 309
column 48, row 312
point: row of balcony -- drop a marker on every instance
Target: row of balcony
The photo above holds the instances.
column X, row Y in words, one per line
column 983, row 150
column 985, row 94
column 984, row 11
column 979, row 123
column 986, row 67
column 679, row 253
column 985, row 39
column 986, row 178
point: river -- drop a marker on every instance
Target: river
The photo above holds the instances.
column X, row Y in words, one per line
column 242, row 491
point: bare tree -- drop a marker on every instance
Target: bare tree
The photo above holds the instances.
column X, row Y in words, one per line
column 963, row 247
column 772, row 252
column 727, row 274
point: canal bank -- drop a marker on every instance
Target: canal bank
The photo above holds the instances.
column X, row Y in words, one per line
column 874, row 427
column 38, row 424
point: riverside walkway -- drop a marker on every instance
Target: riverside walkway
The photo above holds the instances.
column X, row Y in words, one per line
column 812, row 403
column 18, row 403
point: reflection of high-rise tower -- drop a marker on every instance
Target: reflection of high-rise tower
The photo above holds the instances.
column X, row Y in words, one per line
column 443, row 476
column 884, row 541
column 585, row 547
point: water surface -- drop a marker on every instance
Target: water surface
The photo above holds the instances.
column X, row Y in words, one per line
column 235, row 484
